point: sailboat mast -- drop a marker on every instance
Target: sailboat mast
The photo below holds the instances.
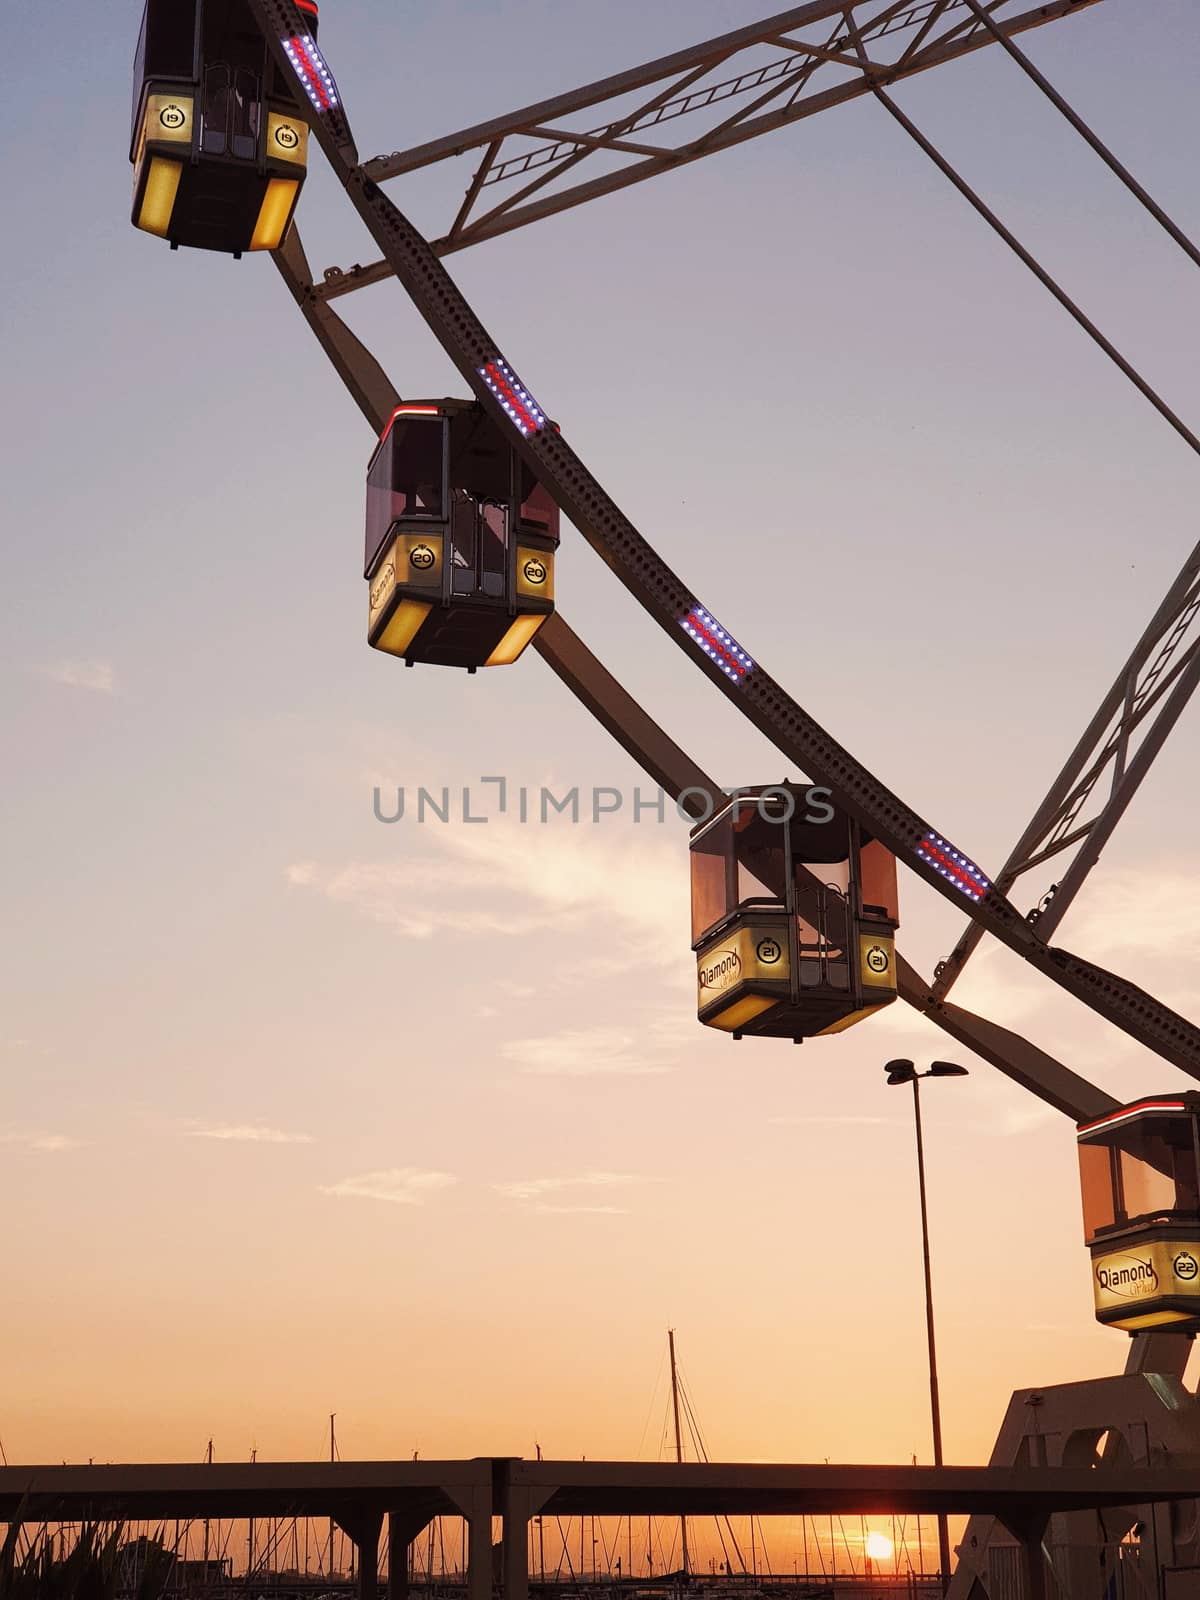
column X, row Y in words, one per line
column 678, row 1440
column 250, row 1530
column 208, row 1459
column 332, row 1457
column 541, row 1533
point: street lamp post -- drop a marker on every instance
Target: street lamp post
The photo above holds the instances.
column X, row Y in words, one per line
column 905, row 1072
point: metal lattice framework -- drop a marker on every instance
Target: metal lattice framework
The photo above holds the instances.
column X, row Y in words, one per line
column 737, row 93
column 723, row 92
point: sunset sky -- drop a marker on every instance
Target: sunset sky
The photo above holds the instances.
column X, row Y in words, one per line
column 304, row 1113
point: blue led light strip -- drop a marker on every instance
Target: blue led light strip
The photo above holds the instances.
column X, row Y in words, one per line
column 718, row 645
column 956, row 868
column 309, row 66
column 527, row 416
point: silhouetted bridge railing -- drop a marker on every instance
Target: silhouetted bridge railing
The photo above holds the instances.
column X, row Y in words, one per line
column 359, row 1495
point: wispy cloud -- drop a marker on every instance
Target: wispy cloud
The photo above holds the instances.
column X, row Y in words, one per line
column 906, row 1022
column 476, row 880
column 530, row 1193
column 250, row 1133
column 1007, row 1112
column 53, row 1143
column 834, row 1121
column 400, row 1186
column 1140, row 913
column 1075, row 1331
column 535, row 1188
column 583, row 1053
column 999, row 985
column 577, row 1211
column 412, row 898
column 98, row 676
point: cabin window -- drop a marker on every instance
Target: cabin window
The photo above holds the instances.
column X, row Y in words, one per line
column 1158, row 1168
column 877, row 870
column 230, row 111
column 404, row 478
column 166, row 48
column 820, row 940
column 479, row 544
column 139, row 76
column 1098, row 1181
column 1139, row 1171
column 416, row 468
column 538, row 508
column 761, row 863
column 493, row 550
column 463, row 544
column 711, row 854
column 215, row 112
column 244, row 114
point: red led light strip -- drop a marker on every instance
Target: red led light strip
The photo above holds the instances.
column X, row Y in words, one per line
column 715, row 644
column 508, row 393
column 959, row 873
column 307, row 5
column 1131, row 1111
column 316, row 83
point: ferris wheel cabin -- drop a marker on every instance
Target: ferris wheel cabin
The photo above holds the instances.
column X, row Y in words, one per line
column 1139, row 1172
column 218, row 145
column 794, row 912
column 460, row 540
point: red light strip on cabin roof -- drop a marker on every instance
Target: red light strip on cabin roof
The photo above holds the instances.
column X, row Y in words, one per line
column 307, row 5
column 1126, row 1112
column 408, row 411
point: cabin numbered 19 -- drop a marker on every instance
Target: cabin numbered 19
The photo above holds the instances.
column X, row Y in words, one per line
column 218, row 145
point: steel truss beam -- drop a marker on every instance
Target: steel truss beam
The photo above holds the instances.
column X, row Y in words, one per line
column 1091, row 793
column 812, row 76
column 758, row 696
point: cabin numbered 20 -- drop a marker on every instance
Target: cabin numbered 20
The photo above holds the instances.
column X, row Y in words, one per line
column 460, row 539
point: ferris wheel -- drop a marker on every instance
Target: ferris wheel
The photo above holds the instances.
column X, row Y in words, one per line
column 794, row 890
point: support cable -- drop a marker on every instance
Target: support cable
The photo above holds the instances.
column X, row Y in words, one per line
column 1039, row 272
column 565, row 1552
column 1082, row 129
